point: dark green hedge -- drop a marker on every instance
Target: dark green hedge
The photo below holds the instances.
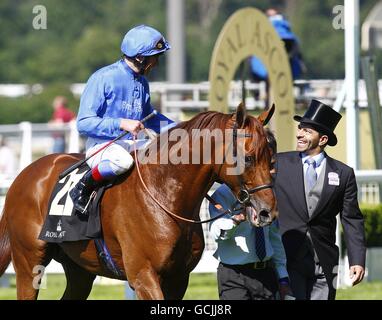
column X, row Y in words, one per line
column 373, row 224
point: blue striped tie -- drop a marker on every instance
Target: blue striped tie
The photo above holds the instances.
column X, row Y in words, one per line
column 311, row 174
column 260, row 243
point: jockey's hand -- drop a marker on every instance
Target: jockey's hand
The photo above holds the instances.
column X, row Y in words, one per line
column 151, row 134
column 238, row 218
column 356, row 274
column 133, row 126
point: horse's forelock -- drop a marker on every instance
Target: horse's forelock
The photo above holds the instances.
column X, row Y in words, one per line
column 259, row 142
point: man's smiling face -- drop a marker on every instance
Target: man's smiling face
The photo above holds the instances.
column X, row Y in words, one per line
column 309, row 140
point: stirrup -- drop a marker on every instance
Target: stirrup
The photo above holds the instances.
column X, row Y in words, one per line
column 92, row 196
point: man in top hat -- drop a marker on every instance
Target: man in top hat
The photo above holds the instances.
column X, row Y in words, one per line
column 311, row 189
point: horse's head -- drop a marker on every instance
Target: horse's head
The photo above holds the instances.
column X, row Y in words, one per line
column 248, row 173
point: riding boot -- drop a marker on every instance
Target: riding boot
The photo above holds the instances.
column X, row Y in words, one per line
column 82, row 191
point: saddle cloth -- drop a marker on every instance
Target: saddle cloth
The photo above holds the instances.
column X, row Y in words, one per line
column 62, row 222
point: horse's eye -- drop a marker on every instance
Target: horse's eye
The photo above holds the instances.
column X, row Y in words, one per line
column 249, row 161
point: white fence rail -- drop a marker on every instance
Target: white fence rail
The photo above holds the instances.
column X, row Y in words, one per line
column 173, row 97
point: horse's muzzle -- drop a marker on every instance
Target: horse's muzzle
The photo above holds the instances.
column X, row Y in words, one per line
column 259, row 218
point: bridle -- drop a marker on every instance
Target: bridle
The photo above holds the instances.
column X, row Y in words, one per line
column 244, row 194
column 243, row 197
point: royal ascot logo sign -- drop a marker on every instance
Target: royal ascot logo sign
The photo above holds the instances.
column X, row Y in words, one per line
column 248, row 32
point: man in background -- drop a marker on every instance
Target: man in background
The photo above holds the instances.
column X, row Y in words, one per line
column 61, row 114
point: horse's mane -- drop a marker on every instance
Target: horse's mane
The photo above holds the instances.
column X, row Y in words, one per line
column 217, row 120
column 211, row 120
column 206, row 120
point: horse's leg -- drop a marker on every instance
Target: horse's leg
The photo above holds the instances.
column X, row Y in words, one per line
column 79, row 282
column 30, row 265
column 181, row 278
column 175, row 286
column 147, row 286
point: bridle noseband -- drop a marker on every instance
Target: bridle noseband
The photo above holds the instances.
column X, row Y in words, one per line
column 244, row 195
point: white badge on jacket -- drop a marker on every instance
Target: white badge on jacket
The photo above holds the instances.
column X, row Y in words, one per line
column 334, row 179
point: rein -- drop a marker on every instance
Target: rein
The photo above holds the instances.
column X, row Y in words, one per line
column 243, row 197
column 167, row 210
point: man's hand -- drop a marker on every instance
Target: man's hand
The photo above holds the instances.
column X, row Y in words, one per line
column 284, row 289
column 356, row 274
column 133, row 126
column 238, row 218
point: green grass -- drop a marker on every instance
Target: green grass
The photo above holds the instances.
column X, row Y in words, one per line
column 201, row 287
column 363, row 291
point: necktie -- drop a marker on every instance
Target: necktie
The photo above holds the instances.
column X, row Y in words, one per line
column 260, row 243
column 311, row 174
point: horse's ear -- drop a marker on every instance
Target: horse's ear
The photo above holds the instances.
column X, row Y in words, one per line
column 241, row 114
column 266, row 115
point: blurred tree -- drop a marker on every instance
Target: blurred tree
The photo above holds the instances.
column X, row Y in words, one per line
column 96, row 48
column 35, row 108
column 83, row 35
column 322, row 44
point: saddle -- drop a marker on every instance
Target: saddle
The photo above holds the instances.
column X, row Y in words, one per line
column 63, row 223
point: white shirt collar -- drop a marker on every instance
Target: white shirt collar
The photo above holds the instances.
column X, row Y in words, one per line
column 318, row 158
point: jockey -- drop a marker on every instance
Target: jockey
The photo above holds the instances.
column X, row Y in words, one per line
column 116, row 98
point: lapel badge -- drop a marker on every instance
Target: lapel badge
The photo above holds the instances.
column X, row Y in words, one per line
column 333, row 179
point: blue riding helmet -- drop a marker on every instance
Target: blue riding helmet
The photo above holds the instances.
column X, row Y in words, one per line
column 143, row 41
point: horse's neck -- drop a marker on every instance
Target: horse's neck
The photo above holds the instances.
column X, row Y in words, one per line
column 182, row 187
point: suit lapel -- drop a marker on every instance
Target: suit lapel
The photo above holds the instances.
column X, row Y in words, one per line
column 327, row 189
column 296, row 175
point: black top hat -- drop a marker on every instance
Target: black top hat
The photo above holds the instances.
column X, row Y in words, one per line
column 322, row 118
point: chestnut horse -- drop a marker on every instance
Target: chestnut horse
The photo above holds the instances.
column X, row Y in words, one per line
column 155, row 250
